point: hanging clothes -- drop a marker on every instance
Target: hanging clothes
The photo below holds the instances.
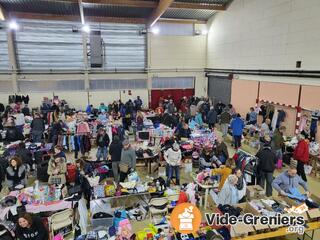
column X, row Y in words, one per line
column 303, row 123
column 313, row 128
column 83, row 128
column 281, row 117
column 25, row 99
column 274, row 120
column 269, row 111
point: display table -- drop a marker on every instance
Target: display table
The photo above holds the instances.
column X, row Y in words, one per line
column 148, row 160
column 48, row 206
column 207, row 189
column 281, row 232
column 126, row 198
column 315, row 163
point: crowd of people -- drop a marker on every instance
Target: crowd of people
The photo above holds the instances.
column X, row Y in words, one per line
column 189, row 114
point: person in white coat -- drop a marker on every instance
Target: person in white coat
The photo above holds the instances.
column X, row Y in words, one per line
column 173, row 158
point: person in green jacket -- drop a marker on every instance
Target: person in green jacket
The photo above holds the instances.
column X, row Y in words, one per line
column 278, row 141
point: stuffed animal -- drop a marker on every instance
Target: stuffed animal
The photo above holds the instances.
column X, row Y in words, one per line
column 124, row 230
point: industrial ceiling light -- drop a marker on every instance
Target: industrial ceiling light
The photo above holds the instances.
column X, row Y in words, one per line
column 155, row 30
column 86, row 28
column 13, row 25
column 204, row 31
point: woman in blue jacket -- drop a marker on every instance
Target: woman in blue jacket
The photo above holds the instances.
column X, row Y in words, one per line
column 237, row 126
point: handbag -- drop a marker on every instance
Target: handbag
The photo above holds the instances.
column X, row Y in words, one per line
column 123, row 167
column 75, row 189
column 55, row 180
column 307, row 169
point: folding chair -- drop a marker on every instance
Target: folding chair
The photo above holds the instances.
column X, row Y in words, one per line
column 61, row 222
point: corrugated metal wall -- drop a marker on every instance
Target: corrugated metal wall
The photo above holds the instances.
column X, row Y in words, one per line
column 124, row 46
column 44, row 86
column 116, row 84
column 49, row 45
column 4, row 58
column 173, row 82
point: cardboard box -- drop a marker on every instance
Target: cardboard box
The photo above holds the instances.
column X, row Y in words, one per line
column 247, row 208
column 255, row 192
column 314, row 213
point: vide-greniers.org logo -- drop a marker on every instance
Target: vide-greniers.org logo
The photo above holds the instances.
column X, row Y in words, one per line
column 186, row 218
column 295, row 224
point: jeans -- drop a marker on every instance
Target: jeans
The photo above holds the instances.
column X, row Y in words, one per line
column 102, row 151
column 37, row 136
column 20, row 128
column 237, row 141
column 211, row 125
column 300, row 171
column 279, row 154
column 172, row 169
column 252, row 122
column 115, row 170
column 222, row 158
column 268, row 178
column 224, row 129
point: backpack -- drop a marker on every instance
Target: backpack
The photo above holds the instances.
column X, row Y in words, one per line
column 71, row 173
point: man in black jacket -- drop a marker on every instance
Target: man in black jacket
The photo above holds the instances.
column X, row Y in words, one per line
column 37, row 128
column 115, row 153
column 266, row 166
column 103, row 142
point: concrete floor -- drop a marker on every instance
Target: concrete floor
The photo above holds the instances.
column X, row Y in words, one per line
column 314, row 185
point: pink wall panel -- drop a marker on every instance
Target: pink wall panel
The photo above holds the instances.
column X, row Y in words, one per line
column 310, row 97
column 243, row 95
column 279, row 92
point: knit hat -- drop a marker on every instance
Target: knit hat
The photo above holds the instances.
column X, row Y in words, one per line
column 125, row 142
column 293, row 163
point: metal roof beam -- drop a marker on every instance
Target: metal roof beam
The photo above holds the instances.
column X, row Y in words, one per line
column 204, row 6
column 125, row 3
column 76, row 18
column 154, row 4
column 157, row 13
column 81, row 12
column 3, row 14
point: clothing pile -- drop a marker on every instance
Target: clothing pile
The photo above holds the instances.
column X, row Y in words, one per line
column 314, row 148
column 274, row 205
column 258, row 205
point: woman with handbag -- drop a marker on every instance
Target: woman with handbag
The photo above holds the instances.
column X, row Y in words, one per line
column 128, row 160
column 57, row 169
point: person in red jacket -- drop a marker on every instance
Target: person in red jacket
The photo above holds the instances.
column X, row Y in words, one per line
column 301, row 154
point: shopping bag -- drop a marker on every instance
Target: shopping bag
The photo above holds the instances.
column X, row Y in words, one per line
column 162, row 172
column 188, row 167
column 307, row 169
column 123, row 167
column 279, row 164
